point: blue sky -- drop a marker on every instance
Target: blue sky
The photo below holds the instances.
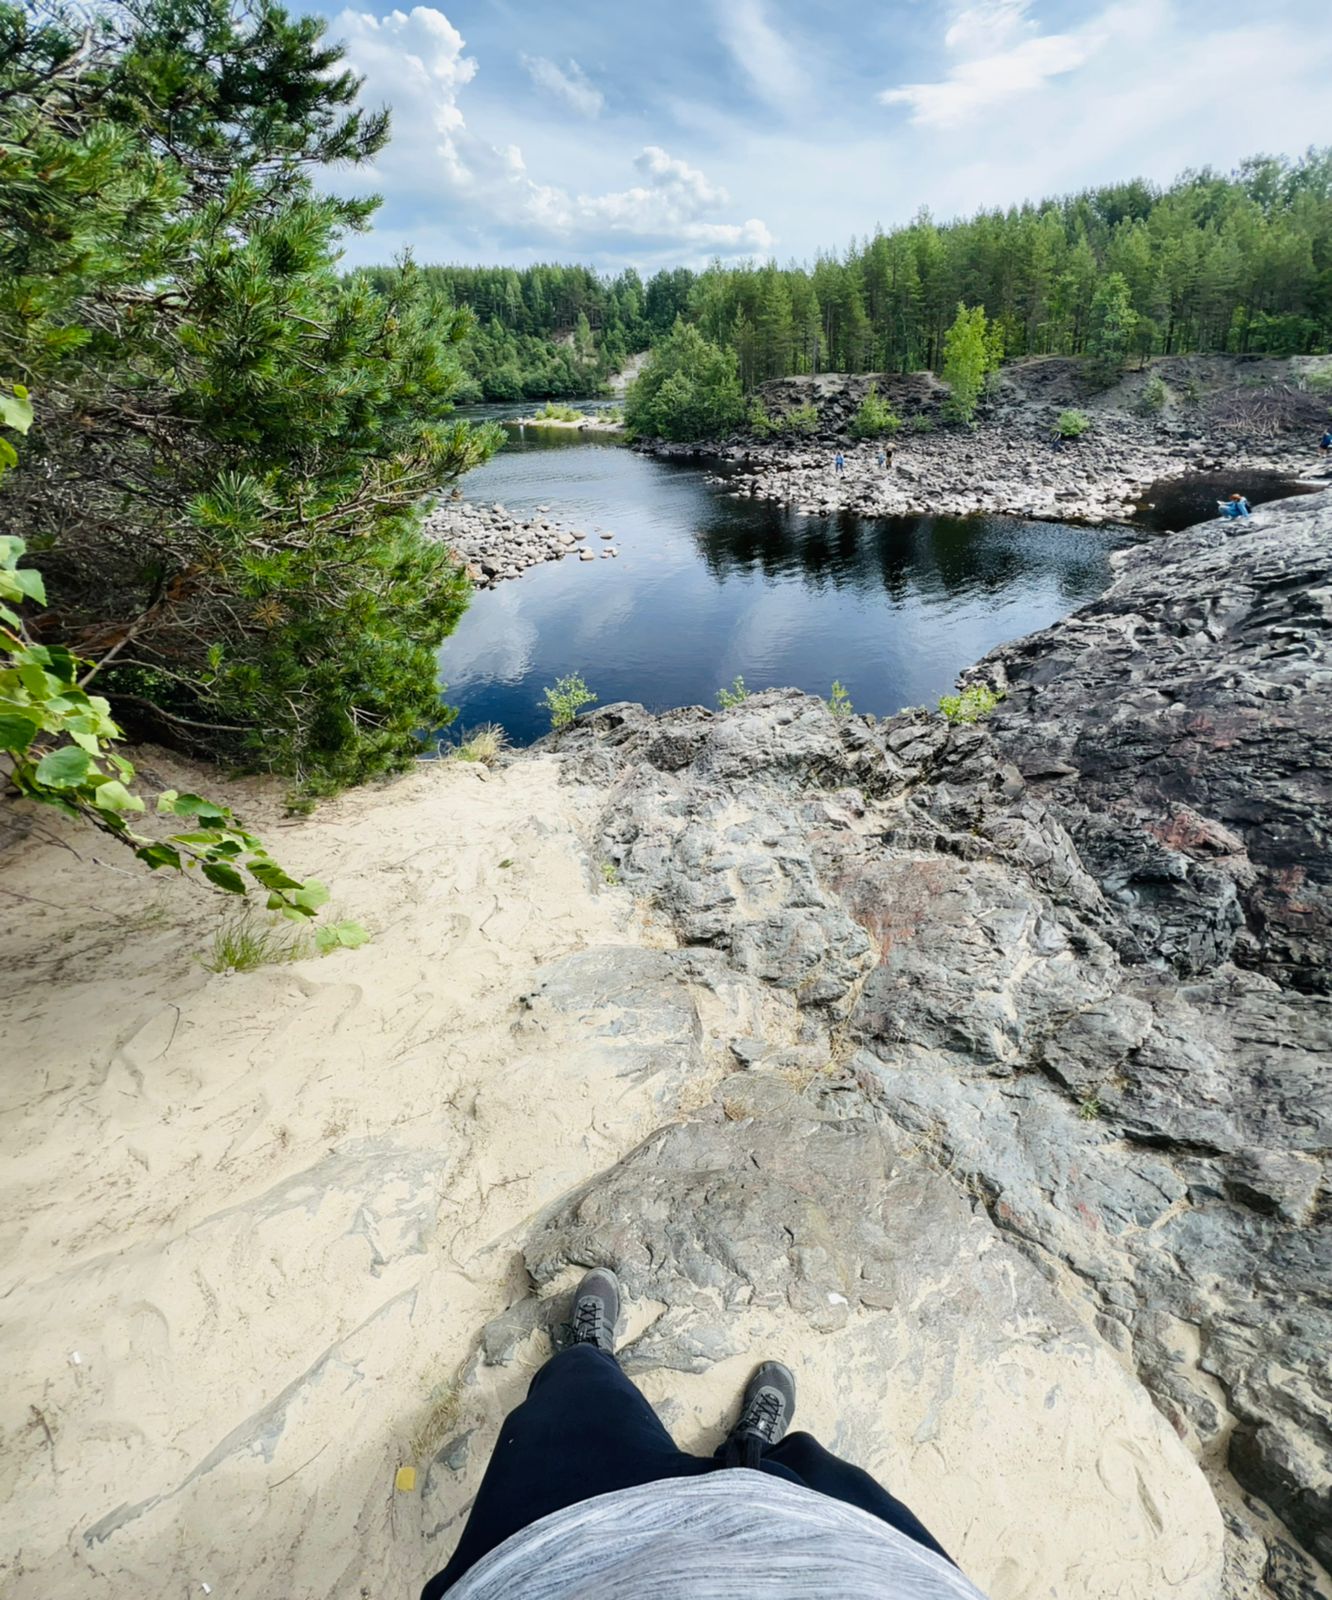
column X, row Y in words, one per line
column 649, row 134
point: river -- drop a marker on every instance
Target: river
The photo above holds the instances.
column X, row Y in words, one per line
column 707, row 587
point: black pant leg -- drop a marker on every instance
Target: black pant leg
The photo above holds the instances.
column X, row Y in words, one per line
column 817, row 1468
column 583, row 1430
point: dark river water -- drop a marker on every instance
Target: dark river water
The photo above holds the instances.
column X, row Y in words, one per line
column 707, row 587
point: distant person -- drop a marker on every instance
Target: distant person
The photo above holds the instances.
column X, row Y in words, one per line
column 888, row 457
column 880, row 458
column 587, row 1497
column 1236, row 506
column 1325, row 443
column 839, row 462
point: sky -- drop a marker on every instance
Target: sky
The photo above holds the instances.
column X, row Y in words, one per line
column 647, row 134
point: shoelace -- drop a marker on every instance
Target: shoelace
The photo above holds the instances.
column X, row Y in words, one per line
column 588, row 1322
column 757, row 1427
column 763, row 1414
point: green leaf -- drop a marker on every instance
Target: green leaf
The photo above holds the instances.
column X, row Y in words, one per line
column 114, row 796
column 16, row 733
column 311, row 896
column 39, row 684
column 86, row 741
column 279, row 902
column 271, row 875
column 159, row 855
column 351, row 934
column 65, row 768
column 224, row 877
column 188, row 805
column 166, row 802
column 30, row 582
column 16, row 410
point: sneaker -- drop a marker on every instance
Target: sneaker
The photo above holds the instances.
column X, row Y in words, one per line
column 596, row 1310
column 766, row 1410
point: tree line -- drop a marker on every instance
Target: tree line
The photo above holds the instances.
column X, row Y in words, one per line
column 1238, row 262
column 551, row 331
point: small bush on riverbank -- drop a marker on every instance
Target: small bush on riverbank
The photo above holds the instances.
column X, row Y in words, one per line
column 839, row 700
column 565, row 698
column 799, row 420
column 976, row 701
column 875, row 417
column 688, row 389
column 1153, row 397
column 1072, row 424
column 736, row 695
column 552, row 411
column 920, row 423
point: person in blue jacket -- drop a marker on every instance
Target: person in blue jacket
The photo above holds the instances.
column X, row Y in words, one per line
column 1236, row 506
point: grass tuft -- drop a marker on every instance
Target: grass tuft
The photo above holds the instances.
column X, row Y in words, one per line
column 483, row 744
column 244, row 944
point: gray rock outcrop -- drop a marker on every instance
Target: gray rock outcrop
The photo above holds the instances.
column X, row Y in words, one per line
column 1074, row 958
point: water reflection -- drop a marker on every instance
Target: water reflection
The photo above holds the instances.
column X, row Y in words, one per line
column 707, row 586
column 1170, row 504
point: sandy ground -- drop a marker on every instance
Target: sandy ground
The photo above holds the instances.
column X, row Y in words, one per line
column 255, row 1223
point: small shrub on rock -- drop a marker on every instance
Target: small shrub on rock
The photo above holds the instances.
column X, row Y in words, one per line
column 839, row 700
column 1153, row 397
column 977, row 700
column 1072, row 424
column 875, row 417
column 736, row 695
column 565, row 698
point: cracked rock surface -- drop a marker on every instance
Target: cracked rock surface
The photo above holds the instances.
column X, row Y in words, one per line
column 1078, row 955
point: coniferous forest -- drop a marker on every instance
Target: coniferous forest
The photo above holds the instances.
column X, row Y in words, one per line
column 1239, row 263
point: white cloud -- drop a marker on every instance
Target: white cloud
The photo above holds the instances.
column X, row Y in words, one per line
column 765, row 57
column 414, row 62
column 571, row 85
column 988, row 28
column 1000, row 55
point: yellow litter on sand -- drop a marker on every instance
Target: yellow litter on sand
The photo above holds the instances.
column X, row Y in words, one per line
column 405, row 1481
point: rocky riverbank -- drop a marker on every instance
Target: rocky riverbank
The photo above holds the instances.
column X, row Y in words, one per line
column 1076, row 957
column 494, row 545
column 1218, row 415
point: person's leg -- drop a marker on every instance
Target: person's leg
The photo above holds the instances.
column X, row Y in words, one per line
column 819, row 1469
column 583, row 1430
